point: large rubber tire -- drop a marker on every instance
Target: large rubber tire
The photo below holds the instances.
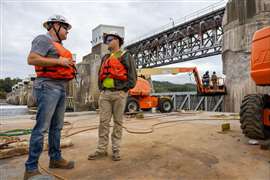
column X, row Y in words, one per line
column 165, row 105
column 251, row 116
column 132, row 105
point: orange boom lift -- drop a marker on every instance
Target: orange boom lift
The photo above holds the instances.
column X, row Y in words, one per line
column 255, row 108
column 140, row 96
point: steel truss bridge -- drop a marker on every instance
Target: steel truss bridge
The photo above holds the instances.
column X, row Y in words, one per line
column 197, row 38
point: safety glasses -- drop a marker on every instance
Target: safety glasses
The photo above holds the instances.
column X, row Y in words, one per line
column 109, row 39
column 65, row 26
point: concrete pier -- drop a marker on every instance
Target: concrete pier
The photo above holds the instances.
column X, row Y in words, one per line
column 242, row 18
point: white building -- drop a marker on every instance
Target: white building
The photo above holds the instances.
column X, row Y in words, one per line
column 97, row 33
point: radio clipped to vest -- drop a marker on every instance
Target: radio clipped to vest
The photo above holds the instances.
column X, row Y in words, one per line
column 57, row 72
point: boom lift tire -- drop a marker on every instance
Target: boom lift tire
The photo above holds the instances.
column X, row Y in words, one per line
column 251, row 116
column 132, row 105
column 165, row 105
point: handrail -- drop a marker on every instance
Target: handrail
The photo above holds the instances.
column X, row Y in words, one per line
column 185, row 19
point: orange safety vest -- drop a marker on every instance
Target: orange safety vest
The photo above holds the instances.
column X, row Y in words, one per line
column 57, row 72
column 113, row 68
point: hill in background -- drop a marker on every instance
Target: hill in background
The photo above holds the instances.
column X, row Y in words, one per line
column 165, row 86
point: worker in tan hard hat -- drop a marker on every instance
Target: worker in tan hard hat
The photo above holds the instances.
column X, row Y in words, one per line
column 117, row 74
column 54, row 68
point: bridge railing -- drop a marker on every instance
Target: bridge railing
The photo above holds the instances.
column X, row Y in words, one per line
column 180, row 21
column 191, row 101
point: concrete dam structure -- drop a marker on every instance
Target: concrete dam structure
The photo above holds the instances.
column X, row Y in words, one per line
column 242, row 18
column 226, row 30
column 86, row 92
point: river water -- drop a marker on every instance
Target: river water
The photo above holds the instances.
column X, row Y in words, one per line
column 12, row 110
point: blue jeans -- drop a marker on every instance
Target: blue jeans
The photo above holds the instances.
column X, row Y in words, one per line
column 50, row 116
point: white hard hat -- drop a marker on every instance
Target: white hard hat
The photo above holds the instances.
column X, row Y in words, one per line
column 115, row 34
column 56, row 18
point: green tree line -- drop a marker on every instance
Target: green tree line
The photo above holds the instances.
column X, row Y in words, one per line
column 159, row 86
column 165, row 86
column 6, row 86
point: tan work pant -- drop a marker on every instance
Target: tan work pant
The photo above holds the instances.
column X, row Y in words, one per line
column 111, row 103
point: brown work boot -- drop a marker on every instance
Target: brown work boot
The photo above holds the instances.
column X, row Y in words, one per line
column 29, row 174
column 97, row 155
column 61, row 164
column 116, row 156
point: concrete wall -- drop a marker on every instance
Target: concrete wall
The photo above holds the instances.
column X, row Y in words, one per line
column 86, row 92
column 31, row 102
column 97, row 33
column 242, row 18
column 86, row 89
column 100, row 49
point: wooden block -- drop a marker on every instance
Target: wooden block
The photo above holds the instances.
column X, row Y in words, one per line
column 225, row 127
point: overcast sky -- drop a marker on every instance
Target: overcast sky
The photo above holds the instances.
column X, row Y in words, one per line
column 22, row 20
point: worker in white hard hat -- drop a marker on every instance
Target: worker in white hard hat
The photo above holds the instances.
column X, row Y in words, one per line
column 54, row 68
column 55, row 24
column 115, row 35
column 117, row 74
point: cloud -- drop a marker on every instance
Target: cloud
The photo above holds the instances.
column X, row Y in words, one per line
column 22, row 21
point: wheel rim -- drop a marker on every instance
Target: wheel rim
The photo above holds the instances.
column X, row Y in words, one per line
column 167, row 106
column 132, row 107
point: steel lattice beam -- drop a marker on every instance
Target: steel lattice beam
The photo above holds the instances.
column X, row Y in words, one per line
column 198, row 38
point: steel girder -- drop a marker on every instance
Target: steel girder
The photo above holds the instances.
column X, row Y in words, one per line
column 198, row 38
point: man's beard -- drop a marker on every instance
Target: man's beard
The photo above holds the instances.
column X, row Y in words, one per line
column 110, row 48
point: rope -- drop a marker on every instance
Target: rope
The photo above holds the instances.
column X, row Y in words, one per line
column 151, row 130
column 51, row 173
column 93, row 127
column 77, row 132
column 148, row 131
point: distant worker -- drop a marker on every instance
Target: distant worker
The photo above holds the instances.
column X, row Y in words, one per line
column 54, row 67
column 214, row 80
column 117, row 74
column 206, row 79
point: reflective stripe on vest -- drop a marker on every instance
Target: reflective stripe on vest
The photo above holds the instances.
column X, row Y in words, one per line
column 57, row 72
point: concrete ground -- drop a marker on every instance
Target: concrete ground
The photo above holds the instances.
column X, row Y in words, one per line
column 192, row 149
